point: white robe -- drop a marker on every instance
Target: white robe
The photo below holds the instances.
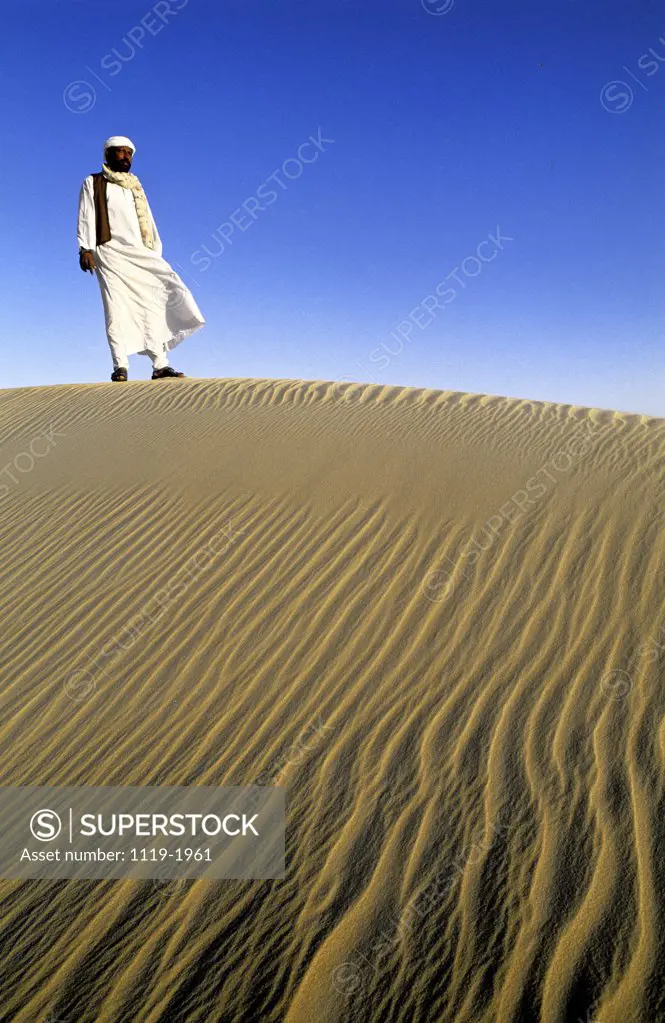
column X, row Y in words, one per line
column 147, row 307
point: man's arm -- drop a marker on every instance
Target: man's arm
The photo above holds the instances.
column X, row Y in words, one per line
column 87, row 230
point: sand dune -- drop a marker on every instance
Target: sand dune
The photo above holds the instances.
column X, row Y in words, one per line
column 437, row 619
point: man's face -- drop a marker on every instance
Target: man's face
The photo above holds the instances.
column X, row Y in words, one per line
column 119, row 158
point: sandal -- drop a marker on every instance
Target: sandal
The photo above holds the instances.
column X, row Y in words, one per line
column 168, row 371
column 119, row 374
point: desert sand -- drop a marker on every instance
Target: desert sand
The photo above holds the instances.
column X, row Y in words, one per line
column 437, row 619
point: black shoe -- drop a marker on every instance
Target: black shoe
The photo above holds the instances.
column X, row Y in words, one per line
column 119, row 374
column 168, row 371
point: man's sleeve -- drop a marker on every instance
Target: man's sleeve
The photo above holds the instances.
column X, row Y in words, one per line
column 87, row 232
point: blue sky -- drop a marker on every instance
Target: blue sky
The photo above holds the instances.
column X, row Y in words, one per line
column 446, row 121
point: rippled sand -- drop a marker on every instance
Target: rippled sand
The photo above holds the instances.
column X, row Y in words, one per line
column 437, row 619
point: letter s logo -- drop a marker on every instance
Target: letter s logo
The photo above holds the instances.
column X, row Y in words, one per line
column 45, row 825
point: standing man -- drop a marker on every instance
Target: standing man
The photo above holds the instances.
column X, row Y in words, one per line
column 147, row 307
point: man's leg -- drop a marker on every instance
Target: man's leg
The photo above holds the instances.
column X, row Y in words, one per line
column 160, row 360
column 160, row 365
column 119, row 359
column 114, row 318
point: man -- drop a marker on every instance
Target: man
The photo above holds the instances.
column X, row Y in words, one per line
column 147, row 307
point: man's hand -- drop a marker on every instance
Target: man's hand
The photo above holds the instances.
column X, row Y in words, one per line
column 87, row 261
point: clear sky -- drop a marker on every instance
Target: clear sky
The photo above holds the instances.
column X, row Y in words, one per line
column 448, row 120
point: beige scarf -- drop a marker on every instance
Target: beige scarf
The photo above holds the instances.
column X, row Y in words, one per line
column 128, row 180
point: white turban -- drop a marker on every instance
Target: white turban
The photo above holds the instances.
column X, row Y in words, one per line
column 119, row 140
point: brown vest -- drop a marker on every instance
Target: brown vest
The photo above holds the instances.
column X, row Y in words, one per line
column 102, row 225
